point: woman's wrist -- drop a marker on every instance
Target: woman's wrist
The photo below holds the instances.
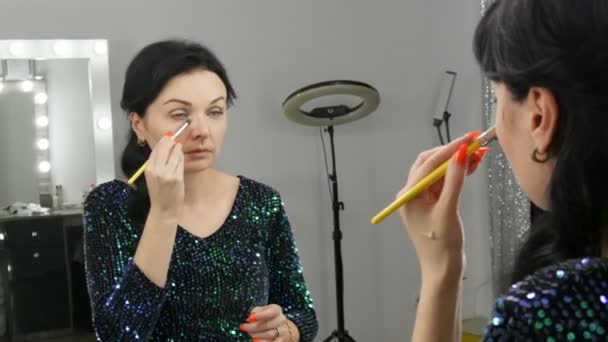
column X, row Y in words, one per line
column 445, row 273
column 162, row 217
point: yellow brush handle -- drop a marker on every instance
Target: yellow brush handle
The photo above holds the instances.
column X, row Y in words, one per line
column 143, row 167
column 420, row 187
column 138, row 173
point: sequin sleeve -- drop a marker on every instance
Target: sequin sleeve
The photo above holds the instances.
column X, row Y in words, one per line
column 125, row 303
column 564, row 302
column 287, row 287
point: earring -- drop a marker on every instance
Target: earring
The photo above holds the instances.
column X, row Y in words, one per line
column 141, row 142
column 539, row 157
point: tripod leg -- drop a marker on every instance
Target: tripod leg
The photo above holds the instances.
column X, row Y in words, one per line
column 347, row 338
column 331, row 337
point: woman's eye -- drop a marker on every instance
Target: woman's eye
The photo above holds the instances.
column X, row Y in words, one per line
column 179, row 115
column 216, row 113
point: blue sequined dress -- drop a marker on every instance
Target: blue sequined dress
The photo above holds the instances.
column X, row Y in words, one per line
column 213, row 283
column 564, row 302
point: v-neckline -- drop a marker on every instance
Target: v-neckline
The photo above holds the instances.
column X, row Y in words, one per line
column 224, row 222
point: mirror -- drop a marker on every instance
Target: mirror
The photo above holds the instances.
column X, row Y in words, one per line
column 55, row 133
column 17, row 139
column 55, row 121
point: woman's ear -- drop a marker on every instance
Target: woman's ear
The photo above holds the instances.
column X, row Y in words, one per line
column 138, row 126
column 542, row 104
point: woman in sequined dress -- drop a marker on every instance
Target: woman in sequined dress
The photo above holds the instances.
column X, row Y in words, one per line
column 190, row 253
column 548, row 60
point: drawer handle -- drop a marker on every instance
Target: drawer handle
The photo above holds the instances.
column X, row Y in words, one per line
column 34, row 234
column 36, row 255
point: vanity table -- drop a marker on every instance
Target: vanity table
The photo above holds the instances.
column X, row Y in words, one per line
column 42, row 271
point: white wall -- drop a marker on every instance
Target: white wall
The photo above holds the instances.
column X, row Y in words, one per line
column 71, row 140
column 272, row 48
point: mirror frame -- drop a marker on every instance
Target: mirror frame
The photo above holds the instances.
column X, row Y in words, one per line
column 96, row 52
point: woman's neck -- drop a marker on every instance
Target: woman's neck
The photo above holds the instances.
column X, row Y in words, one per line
column 201, row 186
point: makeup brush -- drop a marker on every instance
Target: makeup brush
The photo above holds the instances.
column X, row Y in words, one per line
column 141, row 170
column 482, row 140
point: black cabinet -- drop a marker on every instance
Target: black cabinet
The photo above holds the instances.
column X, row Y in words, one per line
column 43, row 283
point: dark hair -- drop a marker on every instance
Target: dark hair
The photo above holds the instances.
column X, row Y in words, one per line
column 149, row 72
column 560, row 45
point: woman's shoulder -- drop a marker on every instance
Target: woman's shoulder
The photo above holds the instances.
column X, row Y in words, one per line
column 566, row 300
column 258, row 190
column 568, row 276
column 112, row 192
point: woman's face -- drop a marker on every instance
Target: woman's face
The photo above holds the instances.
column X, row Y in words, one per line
column 200, row 96
column 523, row 127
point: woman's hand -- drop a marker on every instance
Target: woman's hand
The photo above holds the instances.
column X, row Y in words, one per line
column 432, row 219
column 268, row 323
column 165, row 178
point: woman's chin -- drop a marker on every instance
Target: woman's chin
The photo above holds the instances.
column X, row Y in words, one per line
column 197, row 166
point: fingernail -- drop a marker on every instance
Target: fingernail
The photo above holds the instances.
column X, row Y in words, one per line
column 461, row 155
column 169, row 134
column 476, row 158
column 473, row 135
column 242, row 327
column 484, row 150
column 251, row 319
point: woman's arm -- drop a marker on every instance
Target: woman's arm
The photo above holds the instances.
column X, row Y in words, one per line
column 438, row 311
column 433, row 223
column 287, row 286
column 124, row 302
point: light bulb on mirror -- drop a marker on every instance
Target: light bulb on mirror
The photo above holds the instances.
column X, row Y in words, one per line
column 100, row 48
column 1, row 86
column 44, row 166
column 61, row 48
column 104, row 123
column 42, row 144
column 41, row 98
column 17, row 49
column 42, row 121
column 27, row 86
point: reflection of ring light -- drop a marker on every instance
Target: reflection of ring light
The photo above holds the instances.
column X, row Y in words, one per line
column 334, row 115
column 331, row 116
